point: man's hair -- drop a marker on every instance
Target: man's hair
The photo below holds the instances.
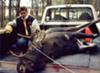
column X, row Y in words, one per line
column 23, row 9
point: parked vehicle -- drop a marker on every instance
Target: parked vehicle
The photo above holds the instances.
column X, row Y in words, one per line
column 70, row 15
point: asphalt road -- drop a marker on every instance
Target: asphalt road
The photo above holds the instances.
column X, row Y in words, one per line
column 8, row 71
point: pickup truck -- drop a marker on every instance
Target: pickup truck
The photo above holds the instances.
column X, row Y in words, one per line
column 70, row 15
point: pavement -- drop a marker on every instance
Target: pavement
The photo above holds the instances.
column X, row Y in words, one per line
column 85, row 63
column 85, row 60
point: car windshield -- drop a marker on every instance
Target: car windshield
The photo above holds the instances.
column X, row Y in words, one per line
column 69, row 14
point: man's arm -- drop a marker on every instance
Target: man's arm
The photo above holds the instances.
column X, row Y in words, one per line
column 8, row 28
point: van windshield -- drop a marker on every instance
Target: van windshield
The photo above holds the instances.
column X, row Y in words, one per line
column 69, row 14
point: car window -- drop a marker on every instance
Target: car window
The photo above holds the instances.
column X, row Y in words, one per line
column 69, row 14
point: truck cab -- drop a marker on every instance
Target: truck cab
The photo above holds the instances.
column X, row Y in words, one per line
column 69, row 15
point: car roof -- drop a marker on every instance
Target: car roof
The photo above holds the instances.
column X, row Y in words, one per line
column 70, row 5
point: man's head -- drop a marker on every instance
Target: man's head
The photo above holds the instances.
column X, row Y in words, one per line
column 23, row 12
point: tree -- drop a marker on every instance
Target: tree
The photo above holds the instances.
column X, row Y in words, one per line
column 43, row 5
column 10, row 17
column 17, row 7
column 36, row 8
column 2, row 12
column 49, row 2
column 32, row 7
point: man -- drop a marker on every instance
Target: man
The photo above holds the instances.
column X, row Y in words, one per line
column 24, row 25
